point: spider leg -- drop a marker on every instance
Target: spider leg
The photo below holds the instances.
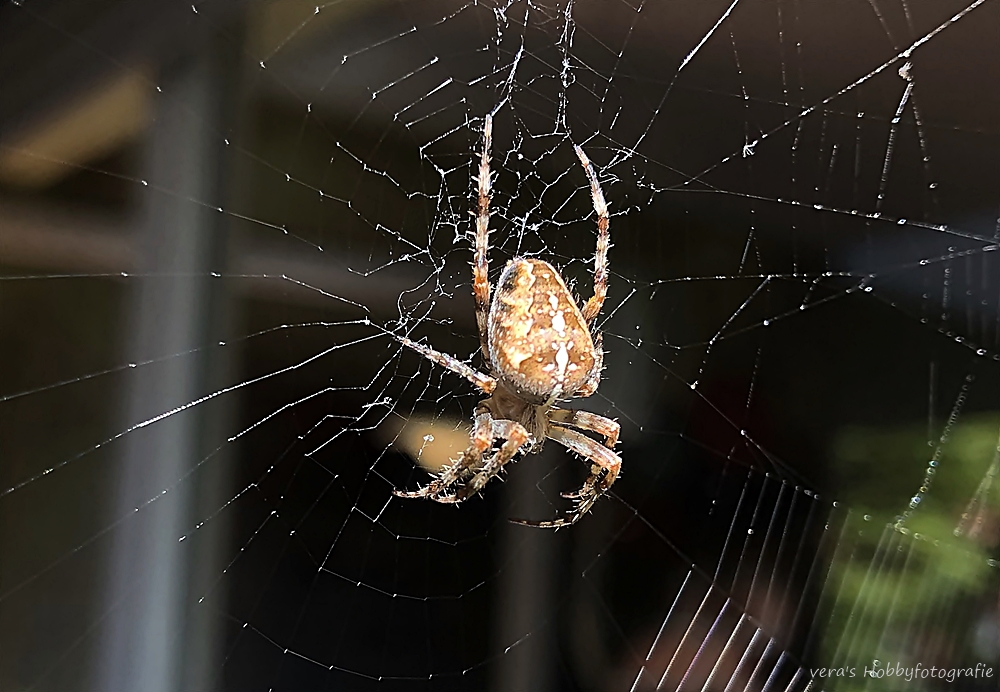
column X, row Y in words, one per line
column 484, row 382
column 594, row 380
column 593, row 307
column 480, row 263
column 585, row 420
column 481, row 440
column 605, row 465
column 516, row 435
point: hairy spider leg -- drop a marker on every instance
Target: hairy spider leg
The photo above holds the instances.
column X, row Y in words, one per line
column 585, row 420
column 594, row 381
column 481, row 440
column 484, row 382
column 480, row 262
column 605, row 465
column 515, row 436
column 593, row 307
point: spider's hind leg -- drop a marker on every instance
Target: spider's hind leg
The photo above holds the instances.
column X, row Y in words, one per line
column 480, row 262
column 593, row 306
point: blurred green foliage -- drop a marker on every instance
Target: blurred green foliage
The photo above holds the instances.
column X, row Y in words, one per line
column 913, row 579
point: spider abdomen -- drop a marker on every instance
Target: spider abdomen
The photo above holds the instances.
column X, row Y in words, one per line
column 539, row 342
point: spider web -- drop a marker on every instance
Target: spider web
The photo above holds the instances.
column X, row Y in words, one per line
column 203, row 417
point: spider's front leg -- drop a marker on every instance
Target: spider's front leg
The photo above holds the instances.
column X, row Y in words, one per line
column 605, row 465
column 480, row 442
column 585, row 420
column 515, row 436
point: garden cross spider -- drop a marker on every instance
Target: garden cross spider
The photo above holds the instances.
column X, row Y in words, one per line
column 538, row 347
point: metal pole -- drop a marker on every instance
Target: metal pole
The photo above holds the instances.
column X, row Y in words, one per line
column 178, row 241
column 527, row 622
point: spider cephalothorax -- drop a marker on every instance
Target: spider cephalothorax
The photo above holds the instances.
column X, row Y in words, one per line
column 539, row 348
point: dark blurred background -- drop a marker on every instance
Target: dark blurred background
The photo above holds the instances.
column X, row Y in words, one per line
column 200, row 206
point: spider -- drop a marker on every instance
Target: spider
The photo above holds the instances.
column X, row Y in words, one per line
column 538, row 346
